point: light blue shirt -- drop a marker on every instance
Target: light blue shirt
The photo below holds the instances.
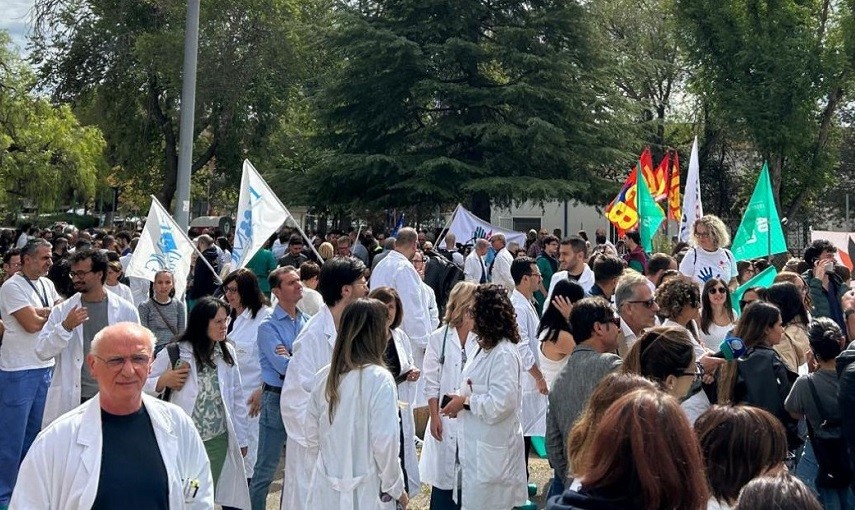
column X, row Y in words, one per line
column 278, row 328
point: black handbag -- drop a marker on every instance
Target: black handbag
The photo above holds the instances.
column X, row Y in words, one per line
column 831, row 452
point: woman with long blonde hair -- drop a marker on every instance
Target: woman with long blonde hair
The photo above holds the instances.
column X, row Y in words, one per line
column 352, row 422
column 448, row 349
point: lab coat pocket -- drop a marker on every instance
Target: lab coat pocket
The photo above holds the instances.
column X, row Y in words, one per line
column 494, row 463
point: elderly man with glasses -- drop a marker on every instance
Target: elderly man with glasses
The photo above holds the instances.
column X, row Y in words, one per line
column 121, row 449
column 636, row 307
column 71, row 327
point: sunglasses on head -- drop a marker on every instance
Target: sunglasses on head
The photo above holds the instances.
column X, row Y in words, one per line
column 718, row 290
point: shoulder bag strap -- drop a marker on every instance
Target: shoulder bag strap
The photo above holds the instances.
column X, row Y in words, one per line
column 168, row 325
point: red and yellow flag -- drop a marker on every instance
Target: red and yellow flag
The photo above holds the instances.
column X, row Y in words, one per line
column 622, row 212
column 675, row 208
column 657, row 180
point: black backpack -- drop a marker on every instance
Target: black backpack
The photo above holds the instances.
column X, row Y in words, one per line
column 442, row 275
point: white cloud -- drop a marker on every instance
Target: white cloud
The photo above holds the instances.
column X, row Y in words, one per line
column 15, row 19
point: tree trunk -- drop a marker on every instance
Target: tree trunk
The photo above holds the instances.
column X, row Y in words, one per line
column 480, row 206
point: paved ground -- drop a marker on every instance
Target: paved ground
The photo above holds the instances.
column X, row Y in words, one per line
column 540, row 474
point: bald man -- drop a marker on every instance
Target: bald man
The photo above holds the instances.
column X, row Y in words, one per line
column 120, row 449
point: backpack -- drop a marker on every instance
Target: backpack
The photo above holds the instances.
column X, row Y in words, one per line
column 172, row 351
column 831, row 453
column 442, row 275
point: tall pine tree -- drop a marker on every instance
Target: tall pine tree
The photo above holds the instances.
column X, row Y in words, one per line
column 435, row 102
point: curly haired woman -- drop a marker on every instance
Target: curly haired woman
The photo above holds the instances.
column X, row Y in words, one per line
column 709, row 257
column 488, row 406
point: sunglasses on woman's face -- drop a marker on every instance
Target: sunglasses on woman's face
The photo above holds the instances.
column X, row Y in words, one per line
column 718, row 290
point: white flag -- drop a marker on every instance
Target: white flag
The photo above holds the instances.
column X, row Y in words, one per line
column 468, row 228
column 692, row 207
column 260, row 214
column 162, row 245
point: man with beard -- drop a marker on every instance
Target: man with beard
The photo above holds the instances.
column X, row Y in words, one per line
column 71, row 327
column 572, row 253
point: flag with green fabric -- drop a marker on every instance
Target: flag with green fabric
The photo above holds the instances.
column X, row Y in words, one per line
column 760, row 233
column 764, row 278
column 650, row 215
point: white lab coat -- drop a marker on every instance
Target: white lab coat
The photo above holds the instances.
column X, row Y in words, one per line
column 312, row 350
column 586, row 281
column 420, row 344
column 399, row 273
column 474, row 267
column 407, row 395
column 67, row 347
column 533, row 414
column 355, row 458
column 232, row 489
column 501, row 271
column 244, row 334
column 491, row 442
column 61, row 469
column 436, row 466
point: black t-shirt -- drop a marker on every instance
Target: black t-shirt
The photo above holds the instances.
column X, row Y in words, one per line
column 133, row 475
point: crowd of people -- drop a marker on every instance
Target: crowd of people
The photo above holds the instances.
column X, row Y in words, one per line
column 651, row 386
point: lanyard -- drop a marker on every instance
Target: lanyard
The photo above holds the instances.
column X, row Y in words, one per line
column 43, row 296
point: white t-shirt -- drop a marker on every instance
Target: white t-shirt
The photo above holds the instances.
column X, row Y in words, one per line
column 715, row 336
column 18, row 351
column 701, row 265
column 549, row 368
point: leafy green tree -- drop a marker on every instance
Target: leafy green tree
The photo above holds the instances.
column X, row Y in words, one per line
column 46, row 156
column 774, row 73
column 120, row 63
column 435, row 102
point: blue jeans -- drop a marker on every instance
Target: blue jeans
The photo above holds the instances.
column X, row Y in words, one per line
column 22, row 404
column 831, row 499
column 271, row 440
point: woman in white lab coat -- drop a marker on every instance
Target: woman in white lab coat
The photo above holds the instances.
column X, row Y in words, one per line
column 399, row 361
column 207, row 385
column 488, row 405
column 352, row 419
column 448, row 348
column 248, row 308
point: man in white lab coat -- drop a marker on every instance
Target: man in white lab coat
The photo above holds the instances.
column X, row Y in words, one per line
column 572, row 254
column 500, row 269
column 526, row 276
column 342, row 281
column 474, row 268
column 120, row 449
column 70, row 329
column 396, row 270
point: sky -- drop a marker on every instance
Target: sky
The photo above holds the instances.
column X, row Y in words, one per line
column 14, row 18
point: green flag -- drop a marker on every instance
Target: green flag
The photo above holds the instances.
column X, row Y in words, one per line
column 764, row 278
column 650, row 215
column 760, row 232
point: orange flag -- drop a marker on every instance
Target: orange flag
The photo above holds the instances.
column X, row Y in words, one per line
column 674, row 202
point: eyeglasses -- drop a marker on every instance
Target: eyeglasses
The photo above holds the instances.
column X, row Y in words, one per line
column 535, row 275
column 649, row 303
column 696, row 376
column 231, row 290
column 117, row 362
column 702, row 235
column 78, row 274
column 718, row 290
column 362, row 283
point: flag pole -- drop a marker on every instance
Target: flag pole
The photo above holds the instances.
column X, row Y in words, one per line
column 447, row 226
column 299, row 229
